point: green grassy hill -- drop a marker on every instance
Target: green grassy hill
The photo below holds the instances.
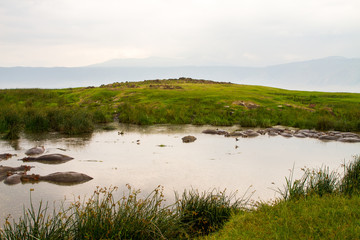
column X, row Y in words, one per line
column 175, row 101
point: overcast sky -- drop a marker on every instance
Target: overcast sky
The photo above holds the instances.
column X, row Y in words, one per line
column 228, row 32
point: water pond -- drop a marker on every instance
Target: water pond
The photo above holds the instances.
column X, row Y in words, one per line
column 146, row 157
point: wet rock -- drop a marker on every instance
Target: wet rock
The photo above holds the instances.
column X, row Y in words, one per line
column 61, row 178
column 49, row 159
column 35, row 151
column 188, row 139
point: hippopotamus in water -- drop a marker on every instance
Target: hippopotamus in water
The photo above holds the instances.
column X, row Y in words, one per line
column 6, row 171
column 35, row 151
column 49, row 158
column 6, row 156
column 60, row 178
column 13, row 179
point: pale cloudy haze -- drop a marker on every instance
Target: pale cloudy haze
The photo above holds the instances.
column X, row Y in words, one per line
column 203, row 32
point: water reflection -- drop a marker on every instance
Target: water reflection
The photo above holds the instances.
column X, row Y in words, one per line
column 148, row 156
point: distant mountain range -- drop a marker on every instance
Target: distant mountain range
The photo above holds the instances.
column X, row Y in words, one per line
column 326, row 74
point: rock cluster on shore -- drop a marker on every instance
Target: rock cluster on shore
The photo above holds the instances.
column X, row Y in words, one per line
column 303, row 133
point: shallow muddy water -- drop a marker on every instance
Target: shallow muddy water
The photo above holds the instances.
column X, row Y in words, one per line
column 146, row 157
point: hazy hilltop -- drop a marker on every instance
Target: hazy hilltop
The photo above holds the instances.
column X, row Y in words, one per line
column 326, row 74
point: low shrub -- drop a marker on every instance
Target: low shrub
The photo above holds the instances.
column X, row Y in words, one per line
column 203, row 213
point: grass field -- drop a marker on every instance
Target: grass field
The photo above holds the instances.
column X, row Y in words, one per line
column 174, row 101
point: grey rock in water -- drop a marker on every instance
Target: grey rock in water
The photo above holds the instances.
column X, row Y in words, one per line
column 188, row 139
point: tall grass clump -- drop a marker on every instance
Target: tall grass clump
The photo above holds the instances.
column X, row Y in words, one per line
column 206, row 212
column 350, row 183
column 36, row 121
column 71, row 121
column 12, row 121
column 38, row 224
column 319, row 182
column 130, row 217
column 102, row 217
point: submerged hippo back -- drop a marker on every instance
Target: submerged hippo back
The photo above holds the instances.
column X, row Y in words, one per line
column 49, row 158
column 66, row 177
column 13, row 179
column 54, row 157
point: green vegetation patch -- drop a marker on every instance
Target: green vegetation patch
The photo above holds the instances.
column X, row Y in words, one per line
column 178, row 101
column 330, row 217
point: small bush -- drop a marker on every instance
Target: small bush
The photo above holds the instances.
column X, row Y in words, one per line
column 203, row 213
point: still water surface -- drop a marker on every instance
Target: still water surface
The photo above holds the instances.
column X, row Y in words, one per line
column 146, row 157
